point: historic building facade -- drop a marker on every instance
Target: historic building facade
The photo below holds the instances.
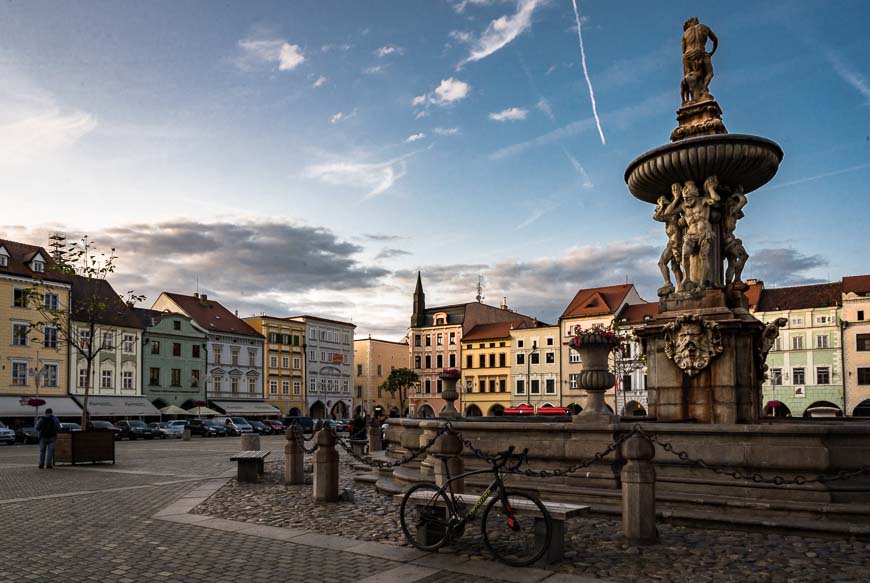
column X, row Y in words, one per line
column 629, row 366
column 283, row 362
column 329, row 368
column 485, row 386
column 535, row 361
column 373, row 360
column 855, row 320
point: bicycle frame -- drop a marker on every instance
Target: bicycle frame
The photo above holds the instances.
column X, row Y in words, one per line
column 496, row 486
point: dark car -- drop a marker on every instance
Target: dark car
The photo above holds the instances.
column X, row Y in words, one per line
column 106, row 425
column 27, row 434
column 206, row 428
column 306, row 424
column 67, row 427
column 132, row 429
column 276, row 426
column 219, row 429
column 260, row 427
column 7, row 435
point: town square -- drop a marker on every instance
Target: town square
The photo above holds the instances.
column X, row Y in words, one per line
column 446, row 290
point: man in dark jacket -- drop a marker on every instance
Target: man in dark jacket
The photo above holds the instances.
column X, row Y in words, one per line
column 47, row 428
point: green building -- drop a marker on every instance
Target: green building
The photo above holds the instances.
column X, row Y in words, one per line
column 173, row 359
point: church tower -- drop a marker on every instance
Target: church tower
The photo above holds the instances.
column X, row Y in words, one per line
column 418, row 315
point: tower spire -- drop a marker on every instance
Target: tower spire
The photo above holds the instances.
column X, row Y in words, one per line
column 418, row 314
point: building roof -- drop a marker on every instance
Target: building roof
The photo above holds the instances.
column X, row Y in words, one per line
column 89, row 292
column 801, row 297
column 638, row 313
column 455, row 314
column 304, row 317
column 494, row 330
column 18, row 263
column 856, row 284
column 753, row 294
column 148, row 317
column 597, row 300
column 211, row 315
column 405, row 343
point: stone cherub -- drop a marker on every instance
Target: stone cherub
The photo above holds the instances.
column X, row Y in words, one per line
column 697, row 62
column 668, row 212
column 732, row 247
column 699, row 235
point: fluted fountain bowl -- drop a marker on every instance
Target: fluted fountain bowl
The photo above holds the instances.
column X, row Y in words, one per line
column 750, row 161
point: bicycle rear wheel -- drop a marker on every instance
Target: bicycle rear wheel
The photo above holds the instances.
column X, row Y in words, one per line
column 425, row 517
column 516, row 533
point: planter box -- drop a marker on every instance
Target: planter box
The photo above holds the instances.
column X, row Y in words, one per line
column 75, row 447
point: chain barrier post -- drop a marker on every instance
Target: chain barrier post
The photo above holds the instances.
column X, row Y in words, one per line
column 293, row 457
column 325, row 467
column 374, row 437
column 639, row 491
column 449, row 444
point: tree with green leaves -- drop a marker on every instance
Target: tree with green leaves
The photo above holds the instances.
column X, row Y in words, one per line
column 399, row 381
column 94, row 306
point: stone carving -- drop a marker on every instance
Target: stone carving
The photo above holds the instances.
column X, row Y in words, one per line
column 768, row 337
column 697, row 62
column 732, row 247
column 699, row 235
column 668, row 212
column 692, row 342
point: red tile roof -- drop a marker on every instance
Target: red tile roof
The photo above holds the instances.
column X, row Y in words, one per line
column 597, row 300
column 638, row 313
column 212, row 316
column 490, row 331
column 858, row 284
column 800, row 297
column 20, row 255
column 753, row 294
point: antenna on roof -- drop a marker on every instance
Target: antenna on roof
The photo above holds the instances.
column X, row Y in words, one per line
column 480, row 297
column 197, row 285
column 57, row 244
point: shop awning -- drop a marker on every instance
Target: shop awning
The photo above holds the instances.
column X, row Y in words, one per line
column 247, row 408
column 119, row 406
column 521, row 410
column 773, row 404
column 552, row 411
column 18, row 407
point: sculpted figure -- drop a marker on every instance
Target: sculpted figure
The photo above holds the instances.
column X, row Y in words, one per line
column 668, row 212
column 768, row 337
column 732, row 247
column 698, row 240
column 692, row 342
column 697, row 62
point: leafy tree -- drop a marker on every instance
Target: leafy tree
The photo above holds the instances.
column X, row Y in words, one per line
column 399, row 381
column 95, row 305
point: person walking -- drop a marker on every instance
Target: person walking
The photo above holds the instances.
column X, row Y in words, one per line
column 47, row 429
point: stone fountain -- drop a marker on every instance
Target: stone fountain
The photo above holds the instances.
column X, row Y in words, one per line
column 704, row 351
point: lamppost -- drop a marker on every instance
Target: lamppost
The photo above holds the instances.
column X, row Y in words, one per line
column 534, row 350
column 36, row 373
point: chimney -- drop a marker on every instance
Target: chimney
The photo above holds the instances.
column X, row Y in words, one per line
column 196, row 295
column 504, row 305
column 203, row 299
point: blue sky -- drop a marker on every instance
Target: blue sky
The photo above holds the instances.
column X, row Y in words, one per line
column 310, row 156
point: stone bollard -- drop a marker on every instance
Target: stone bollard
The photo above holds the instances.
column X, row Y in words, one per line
column 375, row 443
column 325, row 468
column 250, row 442
column 293, row 457
column 639, row 492
column 185, row 435
column 448, row 445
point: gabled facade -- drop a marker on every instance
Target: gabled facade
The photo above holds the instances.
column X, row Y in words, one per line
column 485, row 385
column 373, row 360
column 630, row 366
column 283, row 362
column 329, row 368
column 535, row 361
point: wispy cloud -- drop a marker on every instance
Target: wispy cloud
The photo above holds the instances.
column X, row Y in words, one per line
column 336, row 47
column 544, row 106
column 257, row 51
column 319, row 82
column 375, row 69
column 460, row 6
column 448, row 92
column 587, row 182
column 509, row 114
column 586, row 72
column 502, row 31
column 849, row 75
column 388, row 50
column 414, row 137
column 377, row 177
column 341, row 116
column 461, row 36
column 784, row 266
column 391, row 252
column 445, row 131
column 819, row 176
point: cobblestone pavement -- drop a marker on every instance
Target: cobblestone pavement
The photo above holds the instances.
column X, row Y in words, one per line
column 98, row 523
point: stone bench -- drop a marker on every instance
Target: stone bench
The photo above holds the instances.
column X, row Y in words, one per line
column 559, row 513
column 250, row 465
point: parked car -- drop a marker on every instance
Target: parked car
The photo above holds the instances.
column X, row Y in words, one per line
column 346, row 425
column 235, row 425
column 27, row 434
column 276, row 426
column 206, row 428
column 165, row 429
column 179, row 423
column 218, row 429
column 67, row 427
column 133, row 429
column 260, row 427
column 306, row 424
column 7, row 436
column 106, row 425
column 384, row 427
column 332, row 424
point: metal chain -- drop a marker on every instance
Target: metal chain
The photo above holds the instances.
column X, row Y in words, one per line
column 300, row 439
column 370, row 461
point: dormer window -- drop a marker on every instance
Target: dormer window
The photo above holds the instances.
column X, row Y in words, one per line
column 38, row 266
column 4, row 256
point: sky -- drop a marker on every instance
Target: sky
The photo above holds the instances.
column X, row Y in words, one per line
column 311, row 156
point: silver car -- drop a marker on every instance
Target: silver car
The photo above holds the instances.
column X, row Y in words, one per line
column 166, row 429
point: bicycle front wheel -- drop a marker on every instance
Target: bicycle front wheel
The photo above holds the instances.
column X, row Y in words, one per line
column 516, row 532
column 425, row 517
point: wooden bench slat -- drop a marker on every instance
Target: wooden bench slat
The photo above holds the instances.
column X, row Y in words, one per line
column 558, row 510
column 248, row 455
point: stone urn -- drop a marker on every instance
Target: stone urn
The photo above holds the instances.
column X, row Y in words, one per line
column 594, row 349
column 450, row 376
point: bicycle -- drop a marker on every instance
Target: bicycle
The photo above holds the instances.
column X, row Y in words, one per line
column 516, row 526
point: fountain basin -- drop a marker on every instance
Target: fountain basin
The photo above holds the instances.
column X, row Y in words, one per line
column 750, row 161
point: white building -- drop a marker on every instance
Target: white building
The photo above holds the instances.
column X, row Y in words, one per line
column 329, row 366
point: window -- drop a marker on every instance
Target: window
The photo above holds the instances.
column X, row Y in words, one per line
column 416, row 340
column 427, row 386
column 572, row 380
column 285, row 362
column 285, row 387
column 273, row 337
column 234, row 384
column 359, row 391
column 297, row 363
column 438, row 386
column 439, row 339
column 38, row 266
column 534, row 358
column 428, row 361
column 273, row 387
column 176, row 349
column 797, row 342
column 218, row 351
column 550, row 357
column 777, row 344
column 418, row 361
column 176, row 325
column 822, row 341
column 439, row 363
column 273, row 361
column 573, row 356
column 19, row 334
column 502, row 359
column 175, row 381
column 20, row 297
column 297, row 387
column 252, row 357
column 234, row 352
column 521, row 358
column 535, row 387
column 154, row 377
column 312, row 384
column 864, row 376
column 520, row 343
column 549, row 340
column 51, row 302
column 155, row 347
column 481, row 360
column 312, row 355
column 452, row 338
column 194, row 351
column 550, row 386
column 359, row 370
column 491, row 385
column 469, row 361
column 428, row 340
column 129, row 342
column 626, row 382
column 109, row 340
column 19, row 373
column 252, row 385
column 83, row 378
column 797, row 375
column 49, row 375
column 194, row 378
column 105, row 379
column 127, row 379
column 797, row 322
column 823, row 375
column 863, row 343
column 452, row 360
column 217, row 383
column 521, row 387
column 860, row 315
column 776, row 376
column 824, row 319
column 381, row 371
column 4, row 260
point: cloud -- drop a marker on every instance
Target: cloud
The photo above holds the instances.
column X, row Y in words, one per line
column 460, row 6
column 784, row 266
column 319, row 82
column 415, row 137
column 502, row 31
column 544, row 106
column 586, row 74
column 336, row 47
column 445, row 131
column 341, row 116
column 587, row 182
column 377, row 177
column 256, row 51
column 388, row 50
column 509, row 114
column 381, row 237
column 448, row 92
column 819, row 176
column 389, row 253
column 849, row 75
column 375, row 69
column 461, row 36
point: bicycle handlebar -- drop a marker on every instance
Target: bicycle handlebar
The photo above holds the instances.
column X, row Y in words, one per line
column 500, row 460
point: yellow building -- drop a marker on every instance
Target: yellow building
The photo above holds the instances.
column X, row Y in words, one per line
column 283, row 362
column 374, row 359
column 485, row 387
column 33, row 360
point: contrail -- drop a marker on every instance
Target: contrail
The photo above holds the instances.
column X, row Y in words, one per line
column 586, row 73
